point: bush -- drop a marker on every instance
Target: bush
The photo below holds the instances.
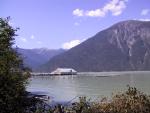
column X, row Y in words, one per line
column 130, row 101
column 13, row 75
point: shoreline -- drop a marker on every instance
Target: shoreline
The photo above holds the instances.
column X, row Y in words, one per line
column 105, row 73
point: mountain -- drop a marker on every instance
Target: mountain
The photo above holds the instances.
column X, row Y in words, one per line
column 33, row 58
column 123, row 46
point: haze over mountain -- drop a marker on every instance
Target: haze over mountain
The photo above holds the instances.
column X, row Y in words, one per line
column 33, row 58
column 123, row 46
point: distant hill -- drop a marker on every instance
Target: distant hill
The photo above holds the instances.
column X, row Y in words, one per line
column 123, row 46
column 33, row 58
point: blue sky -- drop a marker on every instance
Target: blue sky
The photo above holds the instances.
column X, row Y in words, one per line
column 57, row 24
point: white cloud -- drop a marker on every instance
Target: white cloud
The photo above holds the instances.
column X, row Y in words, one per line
column 95, row 13
column 32, row 37
column 71, row 44
column 76, row 24
column 145, row 12
column 115, row 7
column 23, row 39
column 144, row 19
column 78, row 12
column 11, row 23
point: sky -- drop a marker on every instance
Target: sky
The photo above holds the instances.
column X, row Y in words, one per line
column 64, row 24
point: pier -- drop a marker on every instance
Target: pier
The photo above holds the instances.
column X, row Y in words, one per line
column 41, row 74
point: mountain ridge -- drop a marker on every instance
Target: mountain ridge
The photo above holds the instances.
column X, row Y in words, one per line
column 33, row 58
column 121, row 47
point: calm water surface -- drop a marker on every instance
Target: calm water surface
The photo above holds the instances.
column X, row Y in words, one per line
column 92, row 85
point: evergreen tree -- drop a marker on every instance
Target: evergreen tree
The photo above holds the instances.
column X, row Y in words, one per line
column 13, row 76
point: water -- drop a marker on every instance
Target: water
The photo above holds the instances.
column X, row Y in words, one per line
column 92, row 85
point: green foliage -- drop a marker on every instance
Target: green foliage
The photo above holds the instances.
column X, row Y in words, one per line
column 13, row 75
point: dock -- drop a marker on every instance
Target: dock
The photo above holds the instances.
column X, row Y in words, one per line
column 41, row 74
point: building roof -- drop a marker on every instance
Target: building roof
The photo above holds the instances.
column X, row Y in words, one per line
column 63, row 70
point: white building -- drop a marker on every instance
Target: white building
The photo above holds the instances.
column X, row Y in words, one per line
column 64, row 71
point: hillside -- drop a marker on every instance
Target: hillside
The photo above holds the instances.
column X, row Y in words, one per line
column 123, row 46
column 33, row 58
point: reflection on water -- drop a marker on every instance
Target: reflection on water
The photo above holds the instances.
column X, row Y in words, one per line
column 65, row 88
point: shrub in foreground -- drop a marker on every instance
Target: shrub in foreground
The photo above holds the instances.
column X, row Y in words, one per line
column 130, row 101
